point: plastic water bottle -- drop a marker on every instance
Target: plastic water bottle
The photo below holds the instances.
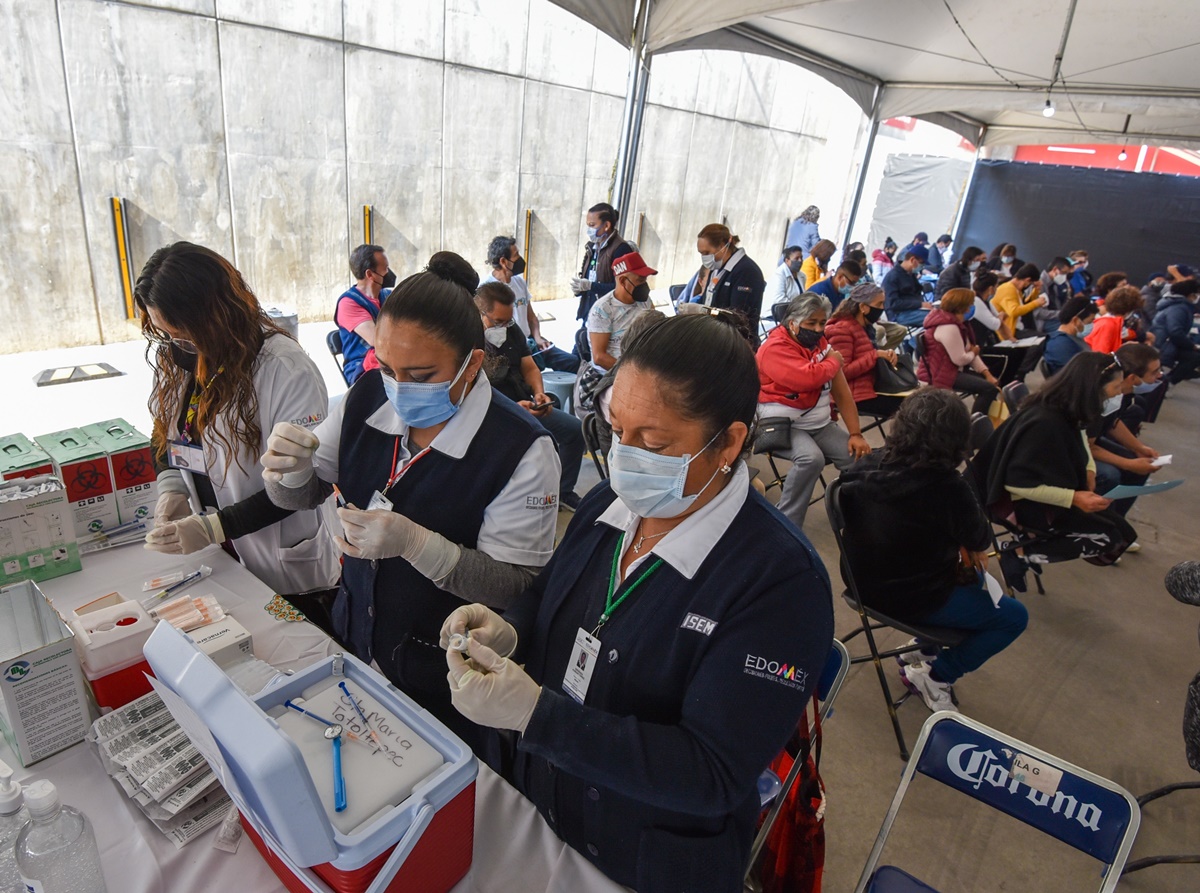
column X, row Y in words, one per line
column 56, row 851
column 13, row 817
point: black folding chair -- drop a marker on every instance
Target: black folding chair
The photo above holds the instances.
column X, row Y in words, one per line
column 871, row 620
column 333, row 341
column 1014, row 392
column 591, row 439
column 778, row 477
column 981, row 430
column 1021, row 536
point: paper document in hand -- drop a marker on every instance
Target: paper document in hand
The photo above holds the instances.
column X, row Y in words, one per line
column 1129, row 491
column 1162, row 460
column 993, row 587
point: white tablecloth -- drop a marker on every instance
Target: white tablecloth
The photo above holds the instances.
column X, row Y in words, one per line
column 514, row 849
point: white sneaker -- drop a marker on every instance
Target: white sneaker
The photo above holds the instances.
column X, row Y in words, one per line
column 1135, row 546
column 936, row 695
column 921, row 655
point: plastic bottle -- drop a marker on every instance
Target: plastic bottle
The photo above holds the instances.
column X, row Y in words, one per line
column 13, row 817
column 56, row 851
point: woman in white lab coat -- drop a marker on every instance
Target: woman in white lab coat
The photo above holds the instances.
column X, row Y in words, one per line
column 225, row 374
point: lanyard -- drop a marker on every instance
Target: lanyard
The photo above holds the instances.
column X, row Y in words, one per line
column 194, row 406
column 397, row 474
column 610, row 606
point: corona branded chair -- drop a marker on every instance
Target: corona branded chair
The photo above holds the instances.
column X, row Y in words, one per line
column 1072, row 805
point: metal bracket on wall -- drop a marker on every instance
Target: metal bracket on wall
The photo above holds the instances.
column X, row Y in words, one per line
column 368, row 224
column 121, row 232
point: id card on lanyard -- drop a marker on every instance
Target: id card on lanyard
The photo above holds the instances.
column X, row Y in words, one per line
column 185, row 453
column 378, row 499
column 713, row 281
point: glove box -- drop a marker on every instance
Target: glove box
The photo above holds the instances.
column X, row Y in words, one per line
column 408, row 815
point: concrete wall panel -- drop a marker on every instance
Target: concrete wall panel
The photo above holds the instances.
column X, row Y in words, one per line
column 611, row 66
column 412, row 28
column 395, row 154
column 320, row 18
column 661, row 178
column 287, row 164
column 149, row 129
column 201, row 7
column 44, row 272
column 487, row 34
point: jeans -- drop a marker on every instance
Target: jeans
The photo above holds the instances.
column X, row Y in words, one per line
column 1109, row 476
column 553, row 358
column 973, row 383
column 567, row 432
column 809, row 452
column 909, row 317
column 994, row 628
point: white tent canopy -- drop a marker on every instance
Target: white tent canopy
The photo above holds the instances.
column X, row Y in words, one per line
column 1128, row 71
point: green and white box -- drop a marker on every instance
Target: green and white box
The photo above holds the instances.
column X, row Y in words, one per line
column 20, row 457
column 45, row 705
column 130, row 465
column 82, row 465
column 37, row 531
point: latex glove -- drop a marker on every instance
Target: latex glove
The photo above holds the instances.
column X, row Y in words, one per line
column 491, row 690
column 171, row 506
column 189, row 535
column 485, row 626
column 379, row 534
column 580, row 286
column 289, row 456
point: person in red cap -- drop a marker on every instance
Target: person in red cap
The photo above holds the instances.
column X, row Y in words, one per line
column 608, row 321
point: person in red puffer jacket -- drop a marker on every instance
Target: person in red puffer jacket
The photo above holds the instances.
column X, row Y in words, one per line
column 951, row 356
column 850, row 332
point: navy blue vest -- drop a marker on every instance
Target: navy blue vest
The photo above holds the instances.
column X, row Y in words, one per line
column 386, row 609
column 354, row 348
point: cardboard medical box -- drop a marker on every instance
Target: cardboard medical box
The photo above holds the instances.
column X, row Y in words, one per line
column 110, row 632
column 82, row 466
column 131, row 467
column 20, row 457
column 408, row 822
column 44, row 699
column 37, row 530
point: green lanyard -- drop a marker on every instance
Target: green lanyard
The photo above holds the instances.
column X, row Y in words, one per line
column 610, row 606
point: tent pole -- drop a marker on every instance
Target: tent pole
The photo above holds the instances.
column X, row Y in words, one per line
column 962, row 199
column 861, row 179
column 635, row 138
column 635, row 100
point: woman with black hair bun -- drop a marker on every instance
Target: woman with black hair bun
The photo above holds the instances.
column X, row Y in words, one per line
column 671, row 644
column 448, row 490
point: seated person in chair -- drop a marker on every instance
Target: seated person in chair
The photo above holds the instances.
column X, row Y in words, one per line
column 951, row 357
column 1075, row 321
column 799, row 376
column 909, row 518
column 850, row 332
column 1038, row 471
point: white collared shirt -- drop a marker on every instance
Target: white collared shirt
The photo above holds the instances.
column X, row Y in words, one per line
column 685, row 547
column 718, row 275
column 519, row 524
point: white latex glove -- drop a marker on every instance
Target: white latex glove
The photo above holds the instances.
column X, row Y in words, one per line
column 580, row 286
column 491, row 690
column 171, row 506
column 184, row 537
column 379, row 534
column 485, row 626
column 289, row 456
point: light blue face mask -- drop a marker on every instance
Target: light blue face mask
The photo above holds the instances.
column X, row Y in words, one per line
column 1146, row 387
column 1087, row 330
column 423, row 404
column 593, row 233
column 650, row 485
column 845, row 290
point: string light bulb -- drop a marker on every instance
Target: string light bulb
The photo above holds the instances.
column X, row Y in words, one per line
column 1122, row 155
column 1048, row 111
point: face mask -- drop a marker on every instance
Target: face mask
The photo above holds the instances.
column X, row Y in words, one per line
column 874, row 314
column 182, row 358
column 1060, row 279
column 593, row 233
column 651, row 485
column 641, row 292
column 1087, row 330
column 1081, row 266
column 518, row 266
column 794, row 266
column 708, row 261
column 1146, row 387
column 1111, row 405
column 389, row 280
column 495, row 335
column 1007, row 259
column 973, row 266
column 845, row 290
column 970, row 312
column 422, row 404
column 807, row 338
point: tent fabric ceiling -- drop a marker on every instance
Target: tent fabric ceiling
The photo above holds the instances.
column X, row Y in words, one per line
column 1127, row 70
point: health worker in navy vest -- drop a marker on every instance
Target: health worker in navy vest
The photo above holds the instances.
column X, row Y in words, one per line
column 358, row 308
column 666, row 652
column 734, row 281
column 450, row 489
column 224, row 375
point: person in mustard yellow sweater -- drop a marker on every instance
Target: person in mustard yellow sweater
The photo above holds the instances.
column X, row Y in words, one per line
column 1011, row 300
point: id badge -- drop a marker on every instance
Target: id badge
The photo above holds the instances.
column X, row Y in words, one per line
column 379, row 501
column 579, row 668
column 187, row 456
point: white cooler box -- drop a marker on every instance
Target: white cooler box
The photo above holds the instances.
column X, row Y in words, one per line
column 410, row 805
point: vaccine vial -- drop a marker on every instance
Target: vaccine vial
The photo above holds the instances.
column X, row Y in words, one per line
column 458, row 641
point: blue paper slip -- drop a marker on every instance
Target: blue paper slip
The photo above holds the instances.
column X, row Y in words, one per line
column 1128, row 491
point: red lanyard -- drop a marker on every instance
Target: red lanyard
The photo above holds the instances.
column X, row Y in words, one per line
column 397, row 474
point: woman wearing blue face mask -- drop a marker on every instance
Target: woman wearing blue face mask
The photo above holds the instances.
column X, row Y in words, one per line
column 670, row 645
column 448, row 488
column 1038, row 467
column 951, row 357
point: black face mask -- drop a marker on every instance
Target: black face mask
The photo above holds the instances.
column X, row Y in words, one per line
column 641, row 292
column 807, row 338
column 873, row 315
column 184, row 360
column 389, row 280
column 518, row 266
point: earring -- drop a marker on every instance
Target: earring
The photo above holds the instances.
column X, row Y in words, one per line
column 725, row 469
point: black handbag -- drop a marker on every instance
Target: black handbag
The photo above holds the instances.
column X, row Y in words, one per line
column 895, row 381
column 773, row 435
